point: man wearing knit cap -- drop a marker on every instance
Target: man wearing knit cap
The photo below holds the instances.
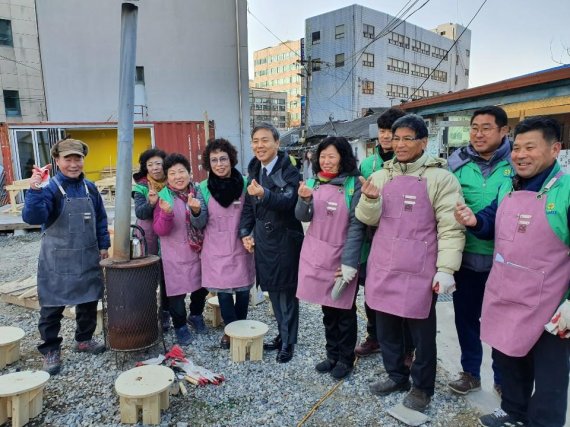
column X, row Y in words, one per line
column 75, row 238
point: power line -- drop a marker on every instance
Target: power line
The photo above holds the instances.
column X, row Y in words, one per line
column 21, row 63
column 448, row 50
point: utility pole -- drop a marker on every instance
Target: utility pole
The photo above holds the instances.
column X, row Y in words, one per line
column 308, row 64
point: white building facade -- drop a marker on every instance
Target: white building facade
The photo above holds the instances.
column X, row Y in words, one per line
column 364, row 59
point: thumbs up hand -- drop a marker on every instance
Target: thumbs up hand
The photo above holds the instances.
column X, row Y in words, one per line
column 369, row 189
column 193, row 204
column 254, row 189
column 305, row 192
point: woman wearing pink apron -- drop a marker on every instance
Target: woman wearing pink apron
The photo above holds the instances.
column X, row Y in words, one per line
column 227, row 268
column 180, row 246
column 149, row 180
column 331, row 250
column 529, row 280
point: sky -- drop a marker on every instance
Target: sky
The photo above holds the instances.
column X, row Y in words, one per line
column 509, row 38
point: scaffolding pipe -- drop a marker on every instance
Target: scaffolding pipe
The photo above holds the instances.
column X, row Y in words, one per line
column 121, row 244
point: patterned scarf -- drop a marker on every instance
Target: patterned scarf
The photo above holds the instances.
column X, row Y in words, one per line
column 195, row 236
column 158, row 185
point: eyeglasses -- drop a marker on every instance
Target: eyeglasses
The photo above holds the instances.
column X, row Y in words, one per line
column 405, row 139
column 220, row 160
column 485, row 130
column 151, row 164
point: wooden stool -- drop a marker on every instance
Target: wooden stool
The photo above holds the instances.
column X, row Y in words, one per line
column 216, row 316
column 99, row 327
column 246, row 336
column 144, row 387
column 21, row 396
column 10, row 338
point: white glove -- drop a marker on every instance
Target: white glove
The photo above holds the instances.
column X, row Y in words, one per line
column 443, row 283
column 348, row 273
column 340, row 283
column 564, row 321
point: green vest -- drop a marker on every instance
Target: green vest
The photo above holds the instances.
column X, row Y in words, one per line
column 479, row 192
column 557, row 202
column 206, row 191
column 371, row 164
column 348, row 186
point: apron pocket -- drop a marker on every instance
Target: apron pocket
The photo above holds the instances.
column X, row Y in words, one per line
column 408, row 256
column 392, row 205
column 68, row 261
column 507, row 226
column 321, row 254
column 77, row 222
column 518, row 284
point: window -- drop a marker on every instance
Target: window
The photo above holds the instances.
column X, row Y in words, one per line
column 399, row 40
column 316, row 37
column 339, row 32
column 419, row 93
column 368, row 31
column 456, row 79
column 419, row 70
column 434, row 93
column 467, row 71
column 368, row 59
column 12, row 103
column 418, row 46
column 439, row 53
column 396, row 91
column 439, row 75
column 398, row 66
column 468, row 53
column 317, row 64
column 368, row 87
column 6, row 33
column 139, row 75
column 339, row 60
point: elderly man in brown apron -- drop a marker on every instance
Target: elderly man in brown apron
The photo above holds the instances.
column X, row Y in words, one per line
column 74, row 239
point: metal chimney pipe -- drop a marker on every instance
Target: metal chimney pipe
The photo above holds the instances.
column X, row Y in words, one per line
column 121, row 244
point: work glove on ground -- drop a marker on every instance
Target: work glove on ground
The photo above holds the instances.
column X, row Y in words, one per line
column 443, row 283
column 347, row 274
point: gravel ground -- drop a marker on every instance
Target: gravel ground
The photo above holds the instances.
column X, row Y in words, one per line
column 255, row 393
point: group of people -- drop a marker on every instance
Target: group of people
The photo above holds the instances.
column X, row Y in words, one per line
column 490, row 225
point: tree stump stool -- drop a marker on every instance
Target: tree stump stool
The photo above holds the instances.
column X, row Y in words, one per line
column 216, row 314
column 21, row 396
column 10, row 338
column 145, row 388
column 246, row 336
column 99, row 328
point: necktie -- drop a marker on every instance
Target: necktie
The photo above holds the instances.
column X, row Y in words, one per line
column 263, row 176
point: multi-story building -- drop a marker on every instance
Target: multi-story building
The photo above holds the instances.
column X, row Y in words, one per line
column 365, row 58
column 277, row 68
column 268, row 106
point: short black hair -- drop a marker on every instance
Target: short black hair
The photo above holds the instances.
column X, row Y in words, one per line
column 498, row 113
column 219, row 144
column 388, row 117
column 143, row 158
column 550, row 128
column 413, row 122
column 269, row 127
column 175, row 159
column 347, row 159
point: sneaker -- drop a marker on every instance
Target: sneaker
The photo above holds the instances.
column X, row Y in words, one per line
column 92, row 347
column 183, row 336
column 326, row 365
column 341, row 370
column 165, row 320
column 465, row 384
column 387, row 386
column 197, row 322
column 498, row 389
column 367, row 347
column 416, row 400
column 338, row 288
column 499, row 418
column 52, row 362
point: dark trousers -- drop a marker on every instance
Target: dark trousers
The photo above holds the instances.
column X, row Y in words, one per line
column 49, row 325
column 467, row 304
column 230, row 310
column 545, row 368
column 340, row 333
column 177, row 307
column 391, row 338
column 286, row 308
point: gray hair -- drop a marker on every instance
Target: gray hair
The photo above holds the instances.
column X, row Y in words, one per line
column 413, row 122
column 267, row 126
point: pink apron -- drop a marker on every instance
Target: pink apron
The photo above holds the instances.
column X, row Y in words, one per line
column 403, row 255
column 149, row 235
column 530, row 274
column 322, row 249
column 225, row 262
column 182, row 272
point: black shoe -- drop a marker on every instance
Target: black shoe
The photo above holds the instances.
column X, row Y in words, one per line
column 274, row 344
column 285, row 354
column 417, row 400
column 326, row 365
column 341, row 370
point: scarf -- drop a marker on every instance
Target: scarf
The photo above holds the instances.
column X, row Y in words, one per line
column 326, row 176
column 226, row 190
column 195, row 236
column 158, row 185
